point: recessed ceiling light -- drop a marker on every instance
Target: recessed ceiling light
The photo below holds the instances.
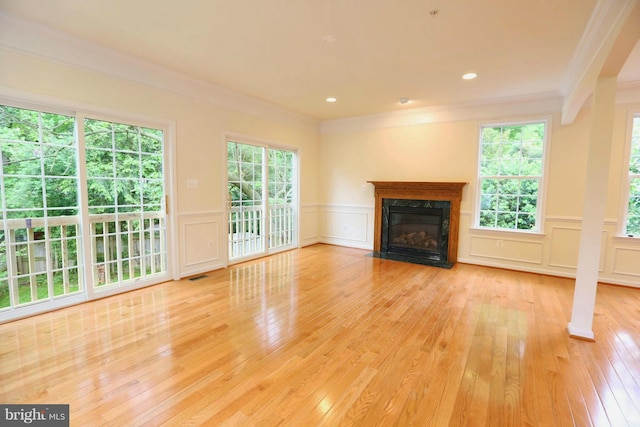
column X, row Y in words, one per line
column 331, row 99
column 469, row 76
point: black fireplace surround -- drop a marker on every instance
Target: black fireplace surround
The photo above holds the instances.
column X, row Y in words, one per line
column 415, row 231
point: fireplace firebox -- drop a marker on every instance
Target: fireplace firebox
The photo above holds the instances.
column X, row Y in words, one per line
column 417, row 222
column 417, row 230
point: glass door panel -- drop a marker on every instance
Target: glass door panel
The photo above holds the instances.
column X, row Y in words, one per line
column 40, row 256
column 282, row 219
column 245, row 175
column 125, row 184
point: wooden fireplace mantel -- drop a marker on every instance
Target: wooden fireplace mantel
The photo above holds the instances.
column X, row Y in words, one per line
column 447, row 191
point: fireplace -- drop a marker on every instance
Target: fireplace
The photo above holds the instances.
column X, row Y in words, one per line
column 417, row 222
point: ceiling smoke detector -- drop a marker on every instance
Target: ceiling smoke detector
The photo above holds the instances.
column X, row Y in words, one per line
column 404, row 101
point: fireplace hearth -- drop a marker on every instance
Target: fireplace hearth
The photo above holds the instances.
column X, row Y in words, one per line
column 417, row 222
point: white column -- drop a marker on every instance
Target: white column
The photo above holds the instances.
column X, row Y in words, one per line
column 584, row 297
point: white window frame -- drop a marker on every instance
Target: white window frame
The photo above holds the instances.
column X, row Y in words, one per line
column 626, row 177
column 542, row 186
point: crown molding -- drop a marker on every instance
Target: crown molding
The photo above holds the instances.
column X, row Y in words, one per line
column 40, row 41
column 603, row 27
column 501, row 108
column 628, row 93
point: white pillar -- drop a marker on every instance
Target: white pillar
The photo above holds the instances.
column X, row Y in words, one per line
column 584, row 297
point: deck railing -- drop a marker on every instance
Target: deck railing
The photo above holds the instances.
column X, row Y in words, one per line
column 42, row 258
column 247, row 230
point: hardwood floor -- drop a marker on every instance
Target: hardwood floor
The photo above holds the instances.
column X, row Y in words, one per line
column 328, row 336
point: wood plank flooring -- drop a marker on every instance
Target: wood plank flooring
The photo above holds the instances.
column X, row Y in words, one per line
column 329, row 336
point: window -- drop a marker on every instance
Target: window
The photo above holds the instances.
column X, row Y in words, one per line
column 510, row 176
column 632, row 223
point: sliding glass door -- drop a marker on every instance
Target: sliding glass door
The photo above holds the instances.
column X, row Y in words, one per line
column 82, row 205
column 261, row 200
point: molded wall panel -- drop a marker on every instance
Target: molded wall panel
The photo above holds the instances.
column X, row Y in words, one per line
column 565, row 246
column 507, row 249
column 201, row 244
column 309, row 220
column 347, row 226
column 627, row 261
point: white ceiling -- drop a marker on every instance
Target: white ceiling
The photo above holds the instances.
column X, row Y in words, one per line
column 384, row 50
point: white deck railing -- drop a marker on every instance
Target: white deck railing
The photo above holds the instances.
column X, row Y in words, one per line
column 247, row 230
column 42, row 258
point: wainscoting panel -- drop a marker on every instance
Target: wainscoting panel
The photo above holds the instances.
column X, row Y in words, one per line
column 309, row 225
column 565, row 246
column 201, row 240
column 347, row 226
column 626, row 261
column 507, row 249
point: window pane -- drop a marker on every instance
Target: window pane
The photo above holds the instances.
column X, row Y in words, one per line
column 489, row 186
column 506, row 220
column 59, row 160
column 508, row 186
column 101, row 162
column 61, row 192
column 150, row 140
column 488, row 202
column 126, row 137
column 531, row 167
column 507, row 203
column 127, row 165
column 527, row 204
column 491, row 134
column 487, row 219
column 529, row 187
column 98, row 134
column 526, row 222
column 21, row 159
column 23, row 193
column 510, row 167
